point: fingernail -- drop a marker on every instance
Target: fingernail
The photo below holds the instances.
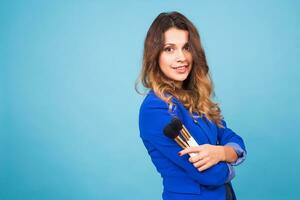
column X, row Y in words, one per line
column 179, row 153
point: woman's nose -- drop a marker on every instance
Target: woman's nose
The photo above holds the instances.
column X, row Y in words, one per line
column 180, row 56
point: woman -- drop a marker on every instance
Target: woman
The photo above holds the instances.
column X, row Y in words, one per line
column 176, row 72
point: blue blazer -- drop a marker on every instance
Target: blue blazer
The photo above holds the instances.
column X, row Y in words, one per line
column 181, row 180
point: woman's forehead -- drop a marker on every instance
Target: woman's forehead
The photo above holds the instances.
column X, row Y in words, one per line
column 176, row 36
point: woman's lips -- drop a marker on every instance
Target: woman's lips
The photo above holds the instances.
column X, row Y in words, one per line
column 181, row 69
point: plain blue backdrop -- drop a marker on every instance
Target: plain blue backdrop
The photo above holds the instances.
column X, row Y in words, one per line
column 69, row 112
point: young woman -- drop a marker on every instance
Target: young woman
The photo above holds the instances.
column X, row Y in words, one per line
column 176, row 72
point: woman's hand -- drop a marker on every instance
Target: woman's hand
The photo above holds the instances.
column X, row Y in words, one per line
column 206, row 155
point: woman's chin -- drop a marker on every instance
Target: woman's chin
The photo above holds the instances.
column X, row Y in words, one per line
column 180, row 78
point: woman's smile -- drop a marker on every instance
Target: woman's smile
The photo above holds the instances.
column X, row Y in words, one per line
column 181, row 69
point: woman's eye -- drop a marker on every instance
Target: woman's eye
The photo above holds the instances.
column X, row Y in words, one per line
column 187, row 48
column 168, row 49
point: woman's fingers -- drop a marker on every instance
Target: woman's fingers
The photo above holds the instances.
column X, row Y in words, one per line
column 200, row 163
column 198, row 157
column 205, row 166
column 206, row 156
column 188, row 150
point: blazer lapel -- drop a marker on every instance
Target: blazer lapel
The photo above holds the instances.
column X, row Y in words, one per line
column 212, row 130
column 199, row 121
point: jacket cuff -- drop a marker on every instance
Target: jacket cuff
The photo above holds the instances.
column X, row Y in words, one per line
column 231, row 173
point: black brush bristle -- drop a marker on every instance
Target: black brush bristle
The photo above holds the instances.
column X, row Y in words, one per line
column 176, row 124
column 170, row 132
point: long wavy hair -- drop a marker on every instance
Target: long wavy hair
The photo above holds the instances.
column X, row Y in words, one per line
column 197, row 89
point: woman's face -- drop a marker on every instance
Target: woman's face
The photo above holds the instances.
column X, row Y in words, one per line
column 175, row 61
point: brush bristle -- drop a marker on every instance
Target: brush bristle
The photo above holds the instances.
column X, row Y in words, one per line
column 176, row 124
column 170, row 132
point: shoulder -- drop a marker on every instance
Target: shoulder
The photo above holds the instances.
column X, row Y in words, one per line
column 153, row 108
column 152, row 101
column 154, row 115
column 154, row 104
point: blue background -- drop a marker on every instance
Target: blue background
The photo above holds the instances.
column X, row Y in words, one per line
column 69, row 112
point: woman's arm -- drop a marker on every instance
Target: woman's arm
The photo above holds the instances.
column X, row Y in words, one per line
column 208, row 155
column 231, row 149
column 228, row 138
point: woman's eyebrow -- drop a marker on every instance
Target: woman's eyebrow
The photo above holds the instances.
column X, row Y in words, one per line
column 172, row 44
column 169, row 44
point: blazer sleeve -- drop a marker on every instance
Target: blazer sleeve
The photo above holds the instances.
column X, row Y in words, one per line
column 154, row 116
column 229, row 138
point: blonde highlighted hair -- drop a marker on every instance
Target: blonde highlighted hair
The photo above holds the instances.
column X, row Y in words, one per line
column 197, row 90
